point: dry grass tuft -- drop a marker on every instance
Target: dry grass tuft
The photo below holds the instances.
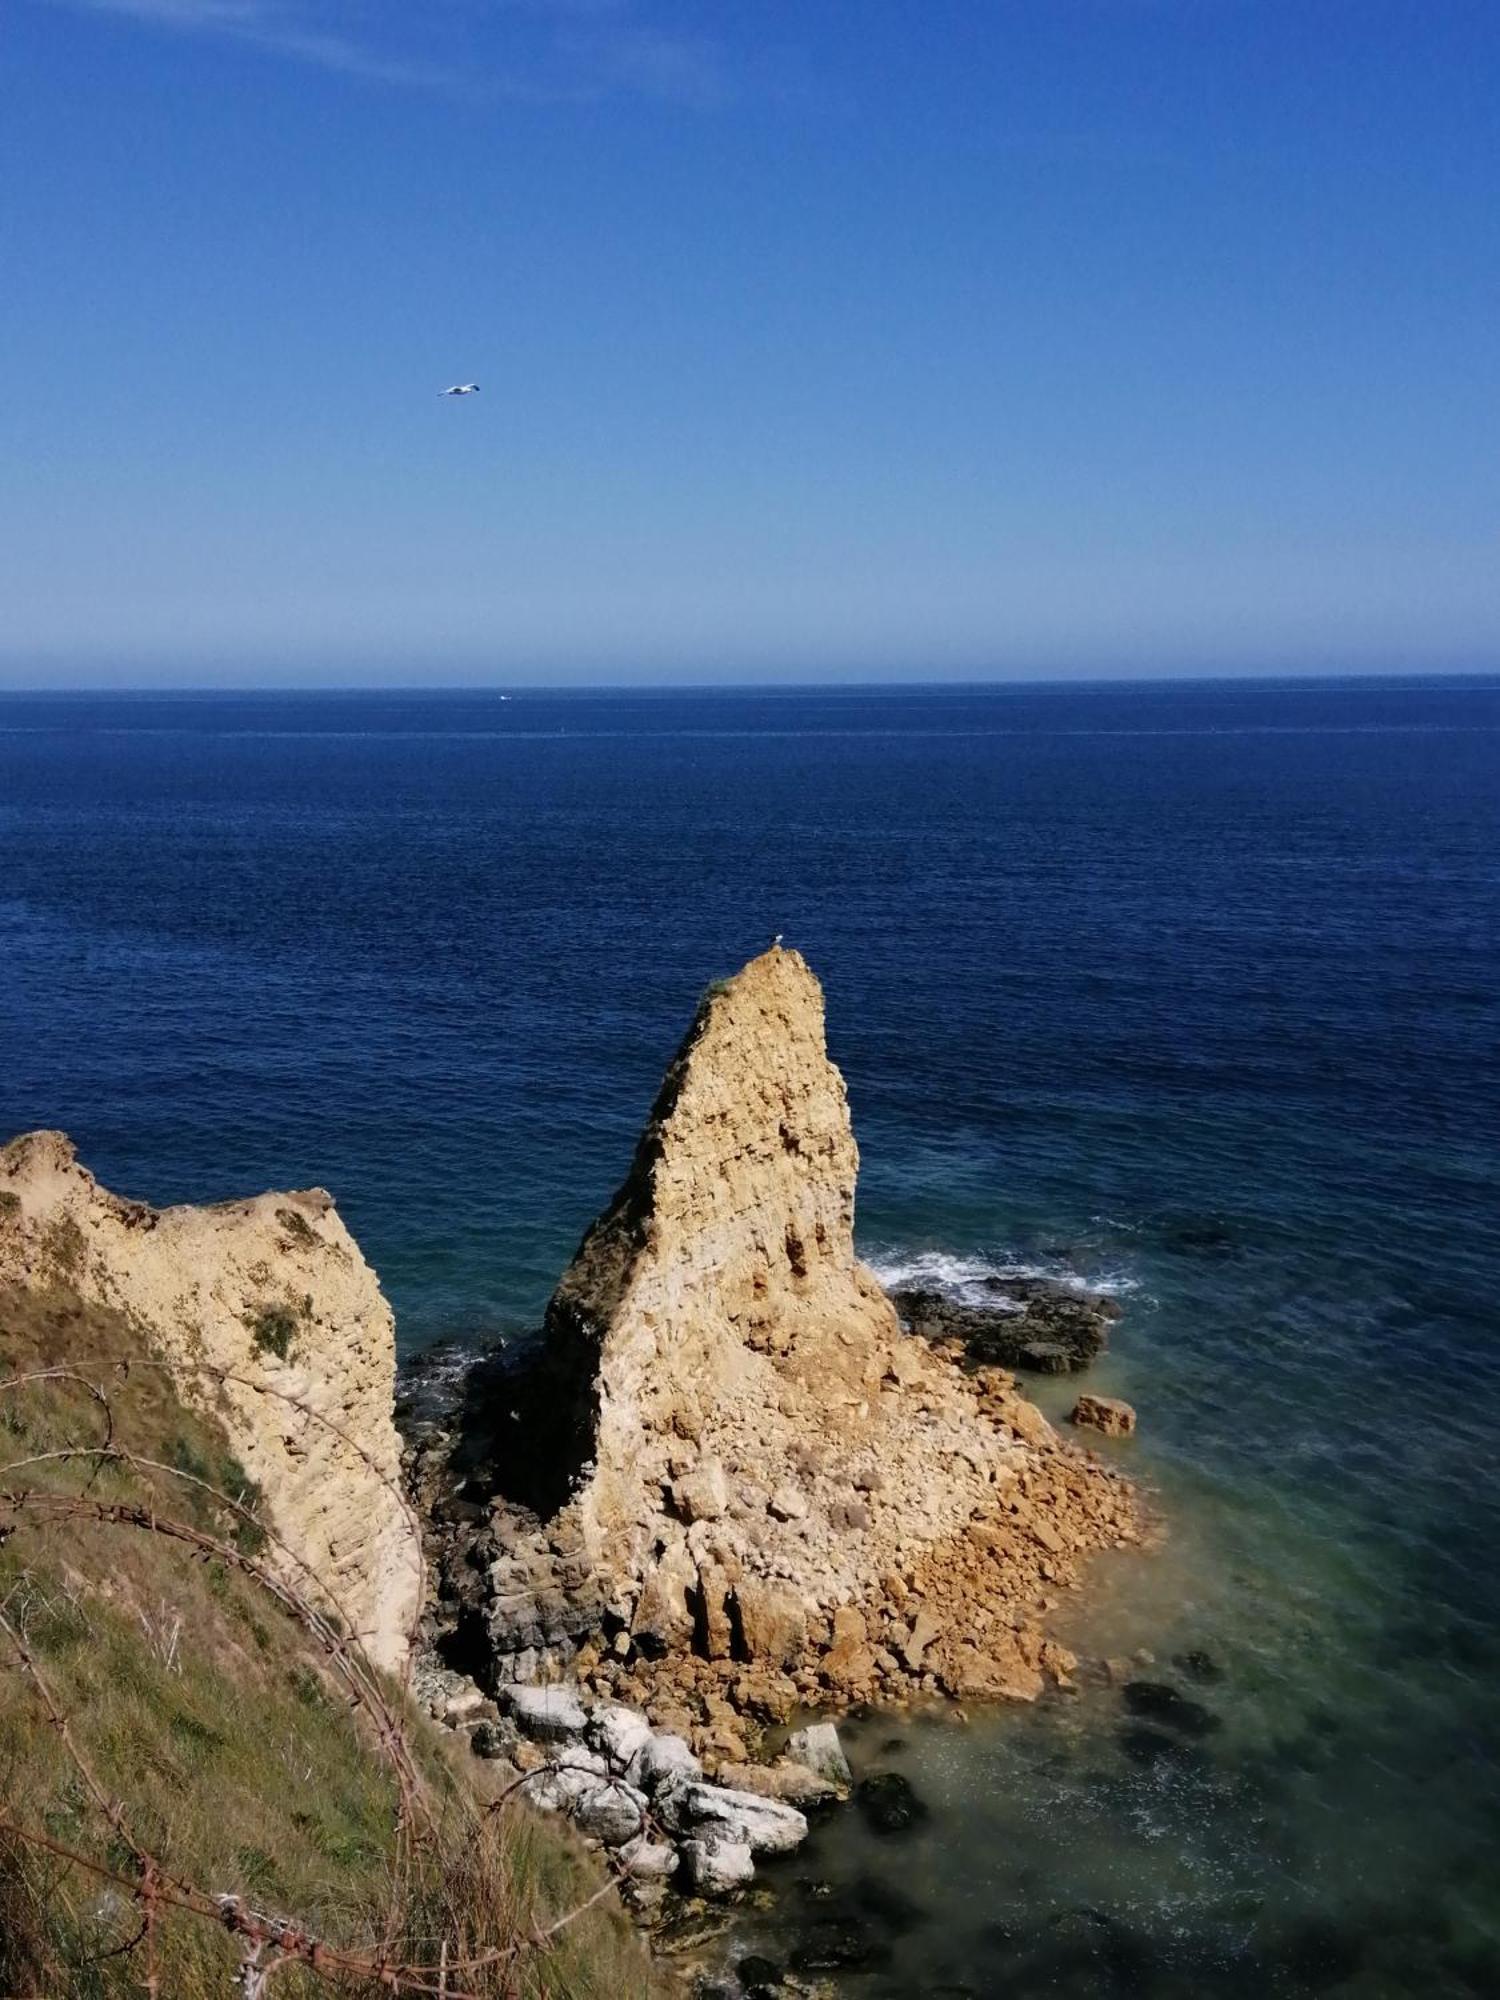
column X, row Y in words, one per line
column 198, row 1786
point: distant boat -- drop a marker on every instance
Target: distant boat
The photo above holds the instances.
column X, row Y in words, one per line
column 461, row 389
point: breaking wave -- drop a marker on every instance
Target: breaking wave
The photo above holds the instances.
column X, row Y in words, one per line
column 980, row 1281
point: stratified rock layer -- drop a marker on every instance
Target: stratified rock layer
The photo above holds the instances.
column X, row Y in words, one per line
column 267, row 1313
column 751, row 1464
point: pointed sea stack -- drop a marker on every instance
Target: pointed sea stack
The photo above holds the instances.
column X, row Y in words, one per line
column 739, row 1473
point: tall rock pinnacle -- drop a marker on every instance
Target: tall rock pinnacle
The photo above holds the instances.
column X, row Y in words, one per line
column 734, row 1454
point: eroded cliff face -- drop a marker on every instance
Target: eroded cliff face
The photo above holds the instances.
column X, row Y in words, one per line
column 766, row 1471
column 266, row 1312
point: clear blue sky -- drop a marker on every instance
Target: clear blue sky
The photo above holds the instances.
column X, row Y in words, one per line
column 818, row 338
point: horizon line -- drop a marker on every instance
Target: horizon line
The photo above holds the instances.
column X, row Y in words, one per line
column 1304, row 675
column 1297, row 677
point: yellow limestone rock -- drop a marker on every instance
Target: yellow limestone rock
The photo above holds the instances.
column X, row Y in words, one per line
column 730, row 1430
column 266, row 1313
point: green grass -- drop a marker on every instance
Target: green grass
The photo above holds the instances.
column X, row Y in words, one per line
column 205, row 1709
column 273, row 1329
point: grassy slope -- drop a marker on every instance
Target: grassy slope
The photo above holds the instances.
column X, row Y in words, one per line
column 205, row 1708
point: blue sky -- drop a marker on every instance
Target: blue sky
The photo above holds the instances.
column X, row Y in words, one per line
column 827, row 339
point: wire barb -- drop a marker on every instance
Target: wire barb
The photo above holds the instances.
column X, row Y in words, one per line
column 265, row 1943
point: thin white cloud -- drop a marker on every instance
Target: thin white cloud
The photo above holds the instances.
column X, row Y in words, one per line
column 577, row 51
column 274, row 30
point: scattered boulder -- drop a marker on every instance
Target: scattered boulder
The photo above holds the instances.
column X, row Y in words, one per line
column 703, row 1494
column 579, row 1757
column 1002, row 1672
column 664, row 1621
column 466, row 1704
column 664, row 1759
column 716, row 1865
column 1104, row 1413
column 613, row 1812
column 772, row 1622
column 785, row 1779
column 766, row 1826
column 817, row 1746
column 555, row 1790
column 620, row 1733
column 649, row 1860
column 925, row 1628
column 550, row 1714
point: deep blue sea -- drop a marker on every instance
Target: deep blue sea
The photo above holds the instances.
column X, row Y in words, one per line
column 1190, row 990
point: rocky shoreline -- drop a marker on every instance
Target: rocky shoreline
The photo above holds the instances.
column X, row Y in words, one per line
column 732, row 1490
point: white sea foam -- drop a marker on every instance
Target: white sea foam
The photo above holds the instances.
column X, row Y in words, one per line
column 980, row 1281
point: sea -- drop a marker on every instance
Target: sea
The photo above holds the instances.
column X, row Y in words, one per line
column 1186, row 991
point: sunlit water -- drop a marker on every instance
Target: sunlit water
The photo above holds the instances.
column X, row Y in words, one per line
column 1190, row 992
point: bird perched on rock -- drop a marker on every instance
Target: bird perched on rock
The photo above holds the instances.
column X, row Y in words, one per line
column 461, row 389
column 776, row 942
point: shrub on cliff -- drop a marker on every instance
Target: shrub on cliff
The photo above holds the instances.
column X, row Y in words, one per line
column 201, row 1780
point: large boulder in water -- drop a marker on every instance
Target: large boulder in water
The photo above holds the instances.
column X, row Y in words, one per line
column 1033, row 1323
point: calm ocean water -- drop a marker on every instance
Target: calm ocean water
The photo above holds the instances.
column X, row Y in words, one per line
column 1191, row 990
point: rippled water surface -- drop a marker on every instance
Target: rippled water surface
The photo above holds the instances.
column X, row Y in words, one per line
column 1191, row 991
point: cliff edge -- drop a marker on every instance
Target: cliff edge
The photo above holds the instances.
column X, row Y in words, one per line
column 267, row 1315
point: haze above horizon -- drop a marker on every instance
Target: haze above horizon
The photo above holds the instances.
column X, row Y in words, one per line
column 816, row 343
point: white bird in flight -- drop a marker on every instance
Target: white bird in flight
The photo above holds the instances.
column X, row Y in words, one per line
column 461, row 389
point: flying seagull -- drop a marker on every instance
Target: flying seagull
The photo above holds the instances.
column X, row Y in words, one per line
column 461, row 389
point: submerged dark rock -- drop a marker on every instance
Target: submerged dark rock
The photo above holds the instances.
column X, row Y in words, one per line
column 1198, row 1665
column 813, row 1889
column 888, row 1802
column 1198, row 1235
column 890, row 1907
column 757, row 1974
column 1144, row 1745
column 1035, row 1323
column 840, row 1944
column 1159, row 1702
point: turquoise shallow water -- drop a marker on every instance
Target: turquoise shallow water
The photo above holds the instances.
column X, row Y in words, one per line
column 1191, row 991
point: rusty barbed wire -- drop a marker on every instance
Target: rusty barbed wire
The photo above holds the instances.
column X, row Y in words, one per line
column 267, row 1943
